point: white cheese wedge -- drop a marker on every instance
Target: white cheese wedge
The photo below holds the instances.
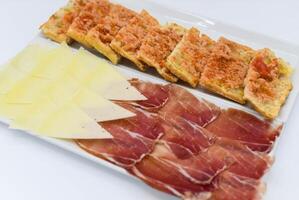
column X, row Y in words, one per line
column 65, row 90
column 27, row 90
column 98, row 108
column 31, row 117
column 56, row 62
column 58, row 93
column 103, row 78
column 69, row 122
column 9, row 76
column 30, row 57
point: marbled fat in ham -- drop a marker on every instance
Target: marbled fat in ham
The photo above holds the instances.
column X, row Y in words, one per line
column 229, row 186
column 257, row 134
column 184, row 110
column 212, row 171
column 133, row 138
column 156, row 95
column 189, row 147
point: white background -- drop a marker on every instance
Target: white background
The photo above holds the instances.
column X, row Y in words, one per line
column 31, row 169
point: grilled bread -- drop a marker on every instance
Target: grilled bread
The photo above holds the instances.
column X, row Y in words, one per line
column 226, row 69
column 58, row 24
column 190, row 56
column 87, row 19
column 267, row 83
column 158, row 45
column 128, row 40
column 107, row 28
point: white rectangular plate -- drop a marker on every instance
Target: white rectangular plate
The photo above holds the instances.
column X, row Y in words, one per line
column 214, row 29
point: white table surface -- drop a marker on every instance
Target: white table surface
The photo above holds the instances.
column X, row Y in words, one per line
column 31, row 169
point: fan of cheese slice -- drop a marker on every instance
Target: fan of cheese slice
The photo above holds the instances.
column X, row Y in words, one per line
column 61, row 93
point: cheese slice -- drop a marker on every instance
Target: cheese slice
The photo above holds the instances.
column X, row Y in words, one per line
column 65, row 91
column 55, row 62
column 31, row 117
column 98, row 108
column 101, row 77
column 9, row 111
column 27, row 90
column 69, row 122
column 9, row 76
column 30, row 57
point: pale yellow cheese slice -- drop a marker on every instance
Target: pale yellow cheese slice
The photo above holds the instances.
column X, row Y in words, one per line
column 27, row 90
column 65, row 91
column 30, row 57
column 9, row 76
column 101, row 77
column 69, row 122
column 98, row 108
column 30, row 118
column 55, row 63
column 57, row 90
column 59, row 121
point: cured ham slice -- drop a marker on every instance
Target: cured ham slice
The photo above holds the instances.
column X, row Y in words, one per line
column 200, row 169
column 162, row 176
column 187, row 140
column 184, row 109
column 133, row 138
column 230, row 186
column 156, row 95
column 221, row 167
column 222, row 155
column 257, row 134
column 188, row 147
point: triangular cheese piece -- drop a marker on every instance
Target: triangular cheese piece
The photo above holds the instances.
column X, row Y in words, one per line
column 103, row 78
column 30, row 57
column 9, row 76
column 30, row 118
column 65, row 90
column 27, row 90
column 57, row 61
column 98, row 108
column 69, row 122
column 9, row 111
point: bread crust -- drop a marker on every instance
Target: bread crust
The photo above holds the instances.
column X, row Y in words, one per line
column 158, row 45
column 87, row 19
column 58, row 24
column 226, row 69
column 128, row 40
column 107, row 28
column 189, row 58
column 267, row 84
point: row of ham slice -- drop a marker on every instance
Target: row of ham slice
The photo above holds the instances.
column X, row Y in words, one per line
column 189, row 147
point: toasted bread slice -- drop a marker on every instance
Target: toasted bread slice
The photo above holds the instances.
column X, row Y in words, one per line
column 107, row 28
column 267, row 83
column 128, row 40
column 226, row 69
column 57, row 25
column 87, row 19
column 190, row 56
column 158, row 45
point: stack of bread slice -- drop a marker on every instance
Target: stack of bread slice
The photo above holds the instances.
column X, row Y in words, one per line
column 224, row 67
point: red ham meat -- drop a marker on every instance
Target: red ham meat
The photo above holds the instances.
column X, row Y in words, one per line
column 230, row 186
column 188, row 147
column 156, row 95
column 164, row 177
column 185, row 111
column 183, row 142
column 205, row 173
column 258, row 135
column 224, row 154
column 134, row 138
column 200, row 169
